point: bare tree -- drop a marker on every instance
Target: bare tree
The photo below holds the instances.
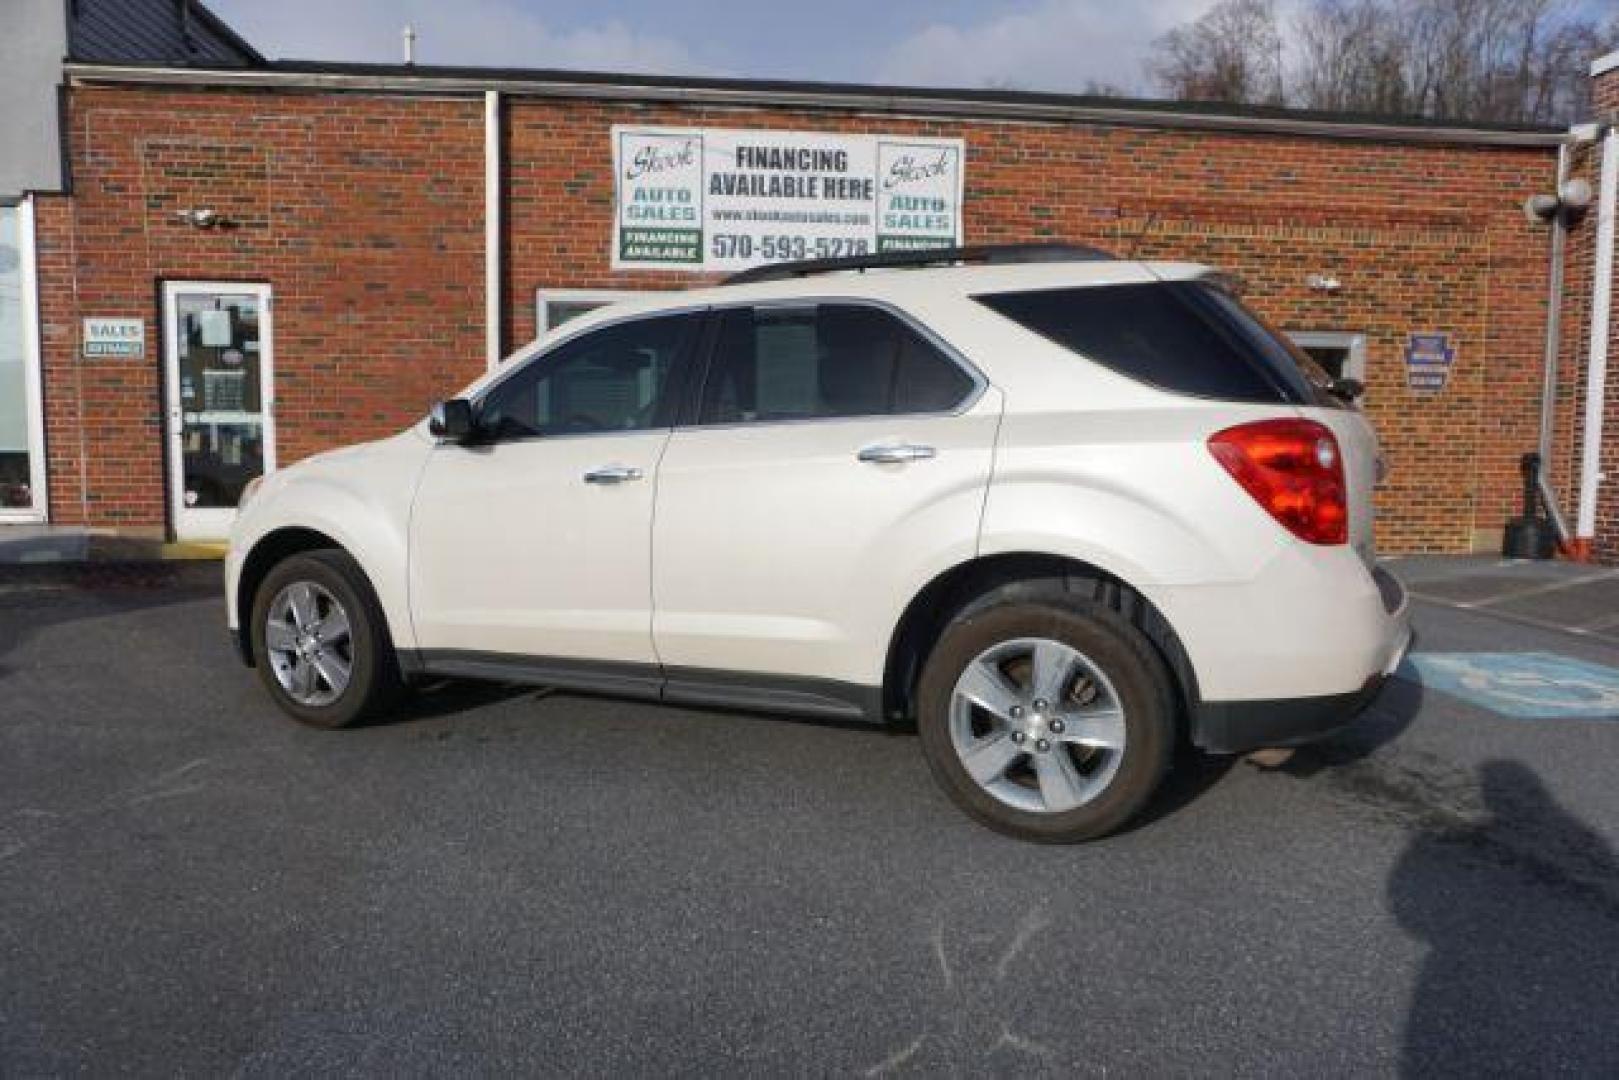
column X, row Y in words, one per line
column 1232, row 53
column 1350, row 58
column 1509, row 60
column 1560, row 90
column 1102, row 88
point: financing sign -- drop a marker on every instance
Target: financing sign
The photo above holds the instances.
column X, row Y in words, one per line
column 707, row 199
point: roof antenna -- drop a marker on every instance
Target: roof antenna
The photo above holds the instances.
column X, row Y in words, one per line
column 1146, row 227
column 410, row 44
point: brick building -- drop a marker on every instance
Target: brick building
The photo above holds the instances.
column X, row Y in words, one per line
column 244, row 262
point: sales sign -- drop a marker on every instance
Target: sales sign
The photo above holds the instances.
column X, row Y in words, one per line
column 706, row 199
column 1428, row 360
column 115, row 337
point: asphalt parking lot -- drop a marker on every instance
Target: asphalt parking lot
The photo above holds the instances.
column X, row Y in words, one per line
column 501, row 880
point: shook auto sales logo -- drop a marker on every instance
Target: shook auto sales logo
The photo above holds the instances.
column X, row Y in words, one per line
column 920, row 205
column 660, row 198
column 910, row 171
column 651, row 159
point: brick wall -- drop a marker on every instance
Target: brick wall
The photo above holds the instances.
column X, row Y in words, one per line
column 1424, row 238
column 365, row 215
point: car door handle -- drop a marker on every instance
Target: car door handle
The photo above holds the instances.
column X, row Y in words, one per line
column 896, row 453
column 612, row 474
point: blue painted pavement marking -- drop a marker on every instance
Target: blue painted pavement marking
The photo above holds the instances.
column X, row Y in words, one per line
column 1527, row 686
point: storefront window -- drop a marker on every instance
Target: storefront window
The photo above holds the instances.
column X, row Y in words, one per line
column 557, row 306
column 19, row 434
column 1341, row 354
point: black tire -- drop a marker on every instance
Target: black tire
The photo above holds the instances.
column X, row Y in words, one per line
column 374, row 679
column 1106, row 639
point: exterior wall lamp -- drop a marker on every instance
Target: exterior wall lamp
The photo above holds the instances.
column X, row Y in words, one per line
column 203, row 217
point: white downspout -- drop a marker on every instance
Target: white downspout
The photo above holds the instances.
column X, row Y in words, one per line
column 1596, row 376
column 491, row 229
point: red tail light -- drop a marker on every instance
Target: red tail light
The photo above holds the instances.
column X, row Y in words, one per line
column 1292, row 468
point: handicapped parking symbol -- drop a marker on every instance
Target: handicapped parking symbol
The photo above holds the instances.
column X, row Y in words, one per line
column 1527, row 686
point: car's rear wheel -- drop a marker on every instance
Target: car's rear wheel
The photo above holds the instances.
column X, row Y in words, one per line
column 1048, row 720
column 320, row 641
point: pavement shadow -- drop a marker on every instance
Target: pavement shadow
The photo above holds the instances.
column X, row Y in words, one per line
column 1502, row 991
column 36, row 597
column 439, row 699
column 1195, row 773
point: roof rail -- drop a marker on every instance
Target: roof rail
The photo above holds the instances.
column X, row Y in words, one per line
column 989, row 254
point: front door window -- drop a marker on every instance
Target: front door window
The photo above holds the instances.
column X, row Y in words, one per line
column 612, row 379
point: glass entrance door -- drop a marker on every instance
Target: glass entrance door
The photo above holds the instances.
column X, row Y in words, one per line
column 220, row 381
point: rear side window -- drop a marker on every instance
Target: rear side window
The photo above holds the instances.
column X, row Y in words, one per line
column 824, row 361
column 1185, row 337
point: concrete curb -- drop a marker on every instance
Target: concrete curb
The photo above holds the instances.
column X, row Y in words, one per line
column 45, row 545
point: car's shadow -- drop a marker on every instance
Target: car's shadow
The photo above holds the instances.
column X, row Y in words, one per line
column 1193, row 775
column 1385, row 719
column 439, row 699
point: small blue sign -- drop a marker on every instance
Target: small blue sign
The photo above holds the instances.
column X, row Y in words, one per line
column 1428, row 360
column 1525, row 686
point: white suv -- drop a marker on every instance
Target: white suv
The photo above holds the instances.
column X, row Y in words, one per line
column 1065, row 512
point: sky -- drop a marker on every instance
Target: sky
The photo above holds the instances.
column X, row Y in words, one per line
column 1026, row 44
column 1059, row 45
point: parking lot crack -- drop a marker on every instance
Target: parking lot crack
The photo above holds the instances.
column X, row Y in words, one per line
column 28, row 827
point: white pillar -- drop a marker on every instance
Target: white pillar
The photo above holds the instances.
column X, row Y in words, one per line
column 33, row 362
column 1596, row 380
column 491, row 227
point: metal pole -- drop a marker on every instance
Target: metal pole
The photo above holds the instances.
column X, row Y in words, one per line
column 1554, row 317
column 1549, row 497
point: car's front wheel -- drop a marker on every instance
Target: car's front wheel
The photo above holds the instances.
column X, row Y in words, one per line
column 320, row 640
column 1048, row 720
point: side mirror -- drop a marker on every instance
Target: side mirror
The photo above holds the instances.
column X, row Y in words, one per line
column 452, row 420
column 1348, row 390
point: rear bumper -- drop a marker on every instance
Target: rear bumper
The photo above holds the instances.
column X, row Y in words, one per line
column 1300, row 663
column 1235, row 727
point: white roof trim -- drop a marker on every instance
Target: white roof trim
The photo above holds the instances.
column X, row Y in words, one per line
column 1605, row 64
column 895, row 101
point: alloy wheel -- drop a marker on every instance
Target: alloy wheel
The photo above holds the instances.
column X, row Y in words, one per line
column 1037, row 725
column 309, row 643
